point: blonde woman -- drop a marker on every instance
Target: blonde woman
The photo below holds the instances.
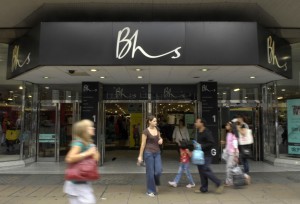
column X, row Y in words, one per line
column 150, row 151
column 81, row 192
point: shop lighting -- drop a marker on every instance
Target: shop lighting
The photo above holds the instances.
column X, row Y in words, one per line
column 224, row 93
column 236, row 89
column 102, row 77
column 29, row 96
column 282, row 89
column 138, row 70
column 280, row 97
column 21, row 87
column 9, row 99
column 204, row 70
column 47, row 87
column 93, row 70
column 285, row 57
column 252, row 77
column 140, row 77
column 246, row 97
column 45, row 77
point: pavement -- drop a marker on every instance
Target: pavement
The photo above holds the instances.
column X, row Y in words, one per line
column 123, row 182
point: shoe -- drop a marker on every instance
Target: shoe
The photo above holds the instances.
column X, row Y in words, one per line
column 190, row 185
column 200, row 191
column 172, row 183
column 220, row 189
column 227, row 185
column 150, row 194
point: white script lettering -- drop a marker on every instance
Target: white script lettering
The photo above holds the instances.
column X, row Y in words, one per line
column 272, row 58
column 129, row 43
column 15, row 59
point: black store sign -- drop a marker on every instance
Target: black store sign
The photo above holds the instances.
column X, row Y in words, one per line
column 173, row 92
column 125, row 92
column 89, row 107
column 209, row 101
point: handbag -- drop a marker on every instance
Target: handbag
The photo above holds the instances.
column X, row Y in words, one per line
column 238, row 176
column 247, row 138
column 198, row 154
column 224, row 154
column 246, row 152
column 84, row 170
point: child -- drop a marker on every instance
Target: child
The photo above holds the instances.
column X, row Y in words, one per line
column 185, row 156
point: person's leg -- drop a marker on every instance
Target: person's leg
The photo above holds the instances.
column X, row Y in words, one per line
column 207, row 172
column 178, row 176
column 73, row 199
column 157, row 168
column 203, row 179
column 229, row 165
column 188, row 173
column 149, row 160
column 246, row 165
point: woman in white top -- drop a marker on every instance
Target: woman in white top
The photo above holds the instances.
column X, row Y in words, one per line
column 180, row 133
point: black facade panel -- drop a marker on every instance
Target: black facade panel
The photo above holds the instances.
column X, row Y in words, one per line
column 221, row 43
column 74, row 43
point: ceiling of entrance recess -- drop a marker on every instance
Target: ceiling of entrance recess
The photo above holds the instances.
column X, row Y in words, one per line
column 151, row 74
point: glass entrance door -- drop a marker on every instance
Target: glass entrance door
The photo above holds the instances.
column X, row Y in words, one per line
column 48, row 129
column 168, row 115
column 123, row 124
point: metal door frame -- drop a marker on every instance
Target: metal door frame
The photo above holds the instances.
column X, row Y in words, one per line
column 75, row 117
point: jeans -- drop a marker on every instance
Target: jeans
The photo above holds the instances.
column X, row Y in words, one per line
column 184, row 167
column 153, row 170
column 206, row 173
column 245, row 164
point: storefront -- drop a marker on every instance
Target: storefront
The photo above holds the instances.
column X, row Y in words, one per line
column 67, row 45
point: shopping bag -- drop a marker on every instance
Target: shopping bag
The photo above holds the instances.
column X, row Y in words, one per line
column 12, row 134
column 247, row 138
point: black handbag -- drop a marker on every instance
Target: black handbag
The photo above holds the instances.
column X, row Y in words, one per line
column 246, row 152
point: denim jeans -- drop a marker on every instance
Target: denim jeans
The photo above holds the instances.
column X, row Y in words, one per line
column 245, row 164
column 206, row 173
column 153, row 170
column 184, row 167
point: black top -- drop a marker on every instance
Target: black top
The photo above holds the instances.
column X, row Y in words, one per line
column 206, row 140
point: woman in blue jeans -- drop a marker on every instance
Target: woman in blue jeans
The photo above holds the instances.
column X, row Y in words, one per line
column 150, row 151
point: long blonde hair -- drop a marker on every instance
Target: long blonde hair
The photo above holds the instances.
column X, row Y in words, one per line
column 80, row 130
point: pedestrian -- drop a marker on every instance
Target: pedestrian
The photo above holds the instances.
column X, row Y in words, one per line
column 242, row 128
column 80, row 192
column 184, row 166
column 206, row 140
column 232, row 153
column 151, row 140
column 180, row 133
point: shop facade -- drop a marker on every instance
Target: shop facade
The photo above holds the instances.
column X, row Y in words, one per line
column 44, row 114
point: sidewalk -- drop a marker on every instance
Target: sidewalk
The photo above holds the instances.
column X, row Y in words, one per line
column 273, row 188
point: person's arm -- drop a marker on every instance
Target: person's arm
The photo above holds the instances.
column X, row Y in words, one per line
column 174, row 135
column 160, row 140
column 142, row 148
column 209, row 141
column 74, row 154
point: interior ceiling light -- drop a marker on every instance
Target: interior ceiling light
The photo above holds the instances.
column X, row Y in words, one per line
column 236, row 89
column 102, row 77
column 93, row 70
column 282, row 89
column 9, row 99
column 204, row 70
column 29, row 96
column 252, row 77
column 21, row 87
column 246, row 97
column 224, row 93
column 280, row 97
column 285, row 57
column 45, row 77
column 47, row 87
column 138, row 70
column 140, row 77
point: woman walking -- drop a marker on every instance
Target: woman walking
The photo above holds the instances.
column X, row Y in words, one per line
column 150, row 151
column 81, row 192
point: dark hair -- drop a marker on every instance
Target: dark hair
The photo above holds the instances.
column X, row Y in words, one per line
column 181, row 120
column 203, row 121
column 235, row 130
column 242, row 116
column 150, row 118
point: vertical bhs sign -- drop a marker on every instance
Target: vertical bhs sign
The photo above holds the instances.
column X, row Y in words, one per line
column 209, row 101
column 90, row 100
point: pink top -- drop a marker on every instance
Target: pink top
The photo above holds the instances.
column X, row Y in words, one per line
column 231, row 143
